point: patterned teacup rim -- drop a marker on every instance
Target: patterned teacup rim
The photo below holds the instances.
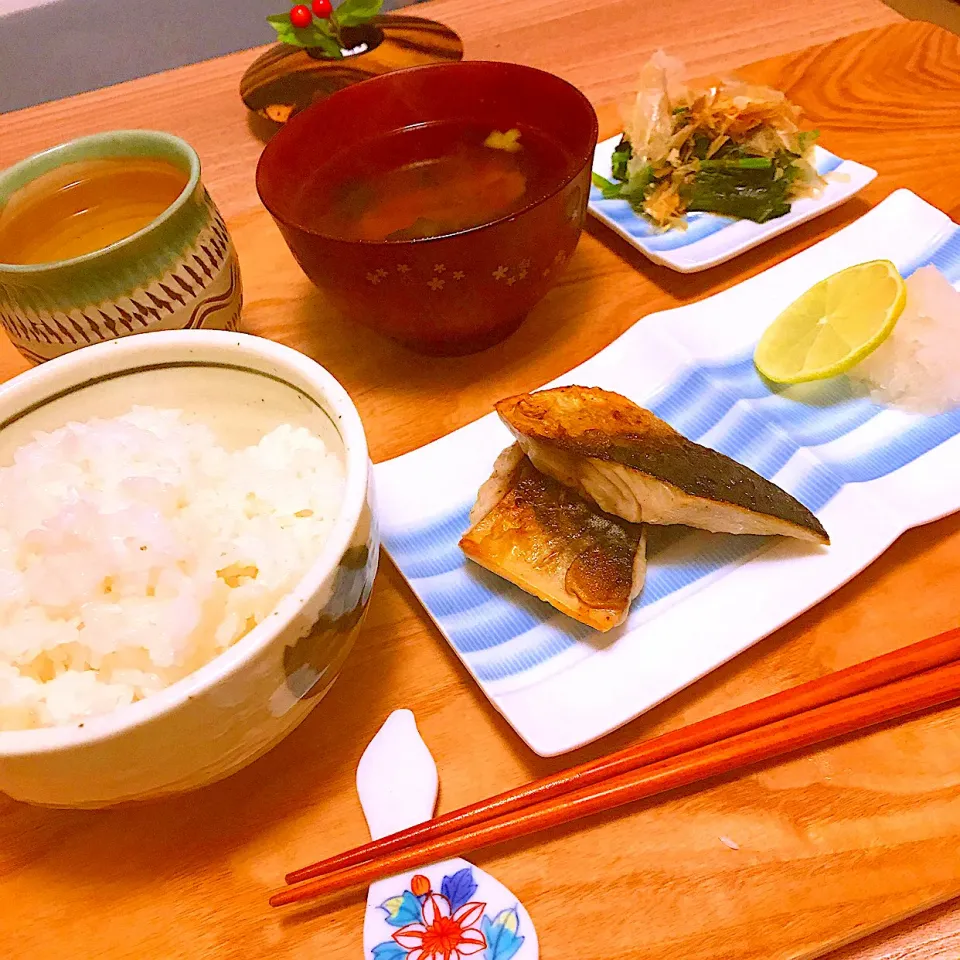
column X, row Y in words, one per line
column 114, row 144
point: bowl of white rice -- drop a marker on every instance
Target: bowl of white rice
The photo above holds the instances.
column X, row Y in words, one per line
column 187, row 548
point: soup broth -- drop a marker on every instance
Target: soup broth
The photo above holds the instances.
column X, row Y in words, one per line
column 82, row 207
column 432, row 180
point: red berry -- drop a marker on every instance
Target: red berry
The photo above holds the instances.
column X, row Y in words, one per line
column 300, row 15
column 322, row 8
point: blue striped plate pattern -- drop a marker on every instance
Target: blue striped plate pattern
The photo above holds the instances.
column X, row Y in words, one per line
column 868, row 472
column 709, row 239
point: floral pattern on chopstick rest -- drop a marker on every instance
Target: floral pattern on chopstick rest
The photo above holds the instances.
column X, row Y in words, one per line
column 447, row 924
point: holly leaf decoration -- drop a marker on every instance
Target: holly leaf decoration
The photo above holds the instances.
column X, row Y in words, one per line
column 318, row 34
column 286, row 32
column 352, row 13
column 325, row 40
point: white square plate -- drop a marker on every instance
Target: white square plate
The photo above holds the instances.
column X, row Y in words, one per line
column 868, row 473
column 710, row 239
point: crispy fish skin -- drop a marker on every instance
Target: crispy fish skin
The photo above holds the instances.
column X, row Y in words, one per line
column 550, row 542
column 631, row 463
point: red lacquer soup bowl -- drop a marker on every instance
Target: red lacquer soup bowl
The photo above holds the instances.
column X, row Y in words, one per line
column 460, row 292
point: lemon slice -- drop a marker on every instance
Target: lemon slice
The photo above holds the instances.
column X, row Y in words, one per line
column 834, row 325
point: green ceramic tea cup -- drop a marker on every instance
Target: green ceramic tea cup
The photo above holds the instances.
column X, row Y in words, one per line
column 178, row 272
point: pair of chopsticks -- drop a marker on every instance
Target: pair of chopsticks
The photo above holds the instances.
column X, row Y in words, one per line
column 896, row 685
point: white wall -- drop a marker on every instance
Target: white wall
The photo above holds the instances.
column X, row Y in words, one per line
column 55, row 48
column 9, row 6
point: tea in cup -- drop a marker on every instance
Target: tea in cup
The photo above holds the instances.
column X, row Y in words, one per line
column 110, row 235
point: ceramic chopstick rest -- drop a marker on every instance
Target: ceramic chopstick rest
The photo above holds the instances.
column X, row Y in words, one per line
column 446, row 911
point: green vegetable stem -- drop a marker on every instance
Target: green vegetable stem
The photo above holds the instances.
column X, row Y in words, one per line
column 732, row 183
column 620, row 159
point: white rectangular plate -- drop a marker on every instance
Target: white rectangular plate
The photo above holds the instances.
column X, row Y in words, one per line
column 710, row 239
column 868, row 473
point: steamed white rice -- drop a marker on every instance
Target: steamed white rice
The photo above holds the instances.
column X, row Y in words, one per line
column 135, row 549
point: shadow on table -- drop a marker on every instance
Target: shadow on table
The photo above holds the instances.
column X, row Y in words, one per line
column 687, row 287
column 361, row 357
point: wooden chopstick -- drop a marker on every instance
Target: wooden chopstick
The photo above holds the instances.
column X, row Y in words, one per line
column 841, row 717
column 859, row 678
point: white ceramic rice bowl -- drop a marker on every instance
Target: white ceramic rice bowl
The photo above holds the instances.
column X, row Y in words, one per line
column 235, row 708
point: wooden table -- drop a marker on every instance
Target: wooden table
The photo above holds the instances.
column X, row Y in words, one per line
column 188, row 877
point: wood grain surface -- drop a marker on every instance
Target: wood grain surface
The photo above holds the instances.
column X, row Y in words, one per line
column 832, row 845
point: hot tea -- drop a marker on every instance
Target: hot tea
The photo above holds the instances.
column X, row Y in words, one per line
column 85, row 206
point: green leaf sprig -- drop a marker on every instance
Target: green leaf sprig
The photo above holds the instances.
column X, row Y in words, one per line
column 325, row 32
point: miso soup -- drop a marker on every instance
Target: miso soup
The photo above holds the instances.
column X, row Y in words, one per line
column 432, row 180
